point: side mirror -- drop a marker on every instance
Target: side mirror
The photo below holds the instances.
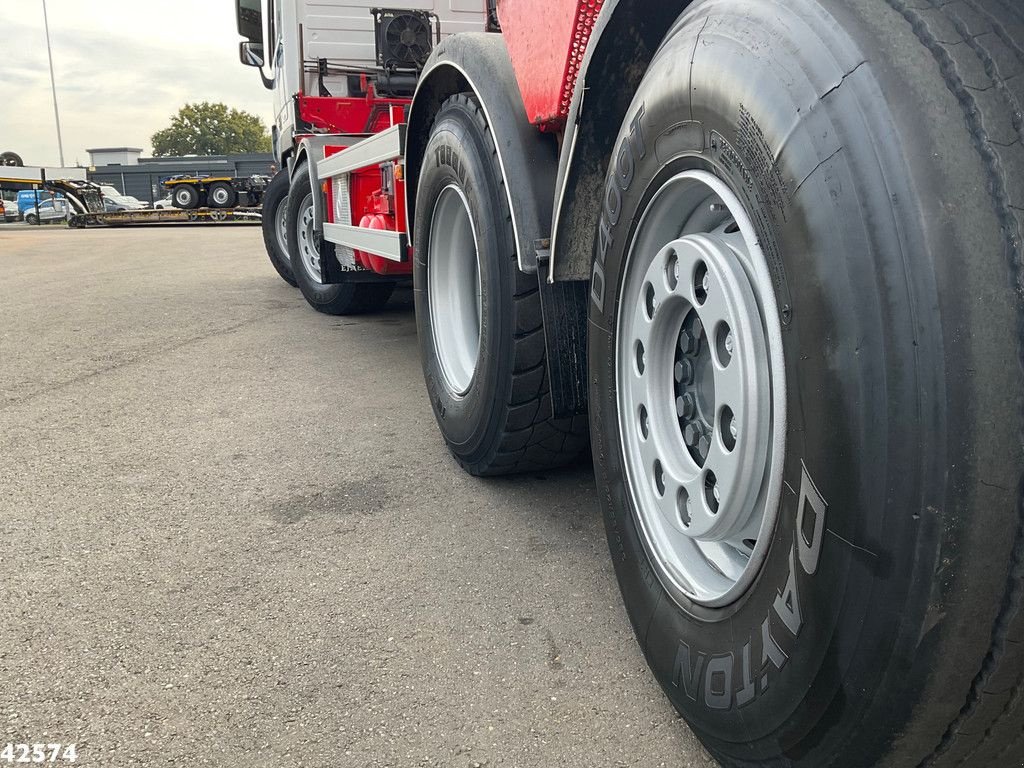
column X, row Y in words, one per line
column 251, row 54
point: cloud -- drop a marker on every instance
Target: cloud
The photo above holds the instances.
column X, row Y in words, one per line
column 123, row 67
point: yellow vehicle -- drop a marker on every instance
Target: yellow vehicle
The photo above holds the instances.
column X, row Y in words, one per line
column 190, row 192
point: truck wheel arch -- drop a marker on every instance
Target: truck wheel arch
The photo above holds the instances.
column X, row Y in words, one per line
column 478, row 63
column 293, row 159
column 609, row 76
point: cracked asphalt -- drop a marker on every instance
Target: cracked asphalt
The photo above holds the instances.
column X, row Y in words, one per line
column 230, row 535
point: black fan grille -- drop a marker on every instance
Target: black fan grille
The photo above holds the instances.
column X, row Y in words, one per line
column 406, row 40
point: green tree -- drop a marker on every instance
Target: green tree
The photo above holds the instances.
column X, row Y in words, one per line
column 211, row 129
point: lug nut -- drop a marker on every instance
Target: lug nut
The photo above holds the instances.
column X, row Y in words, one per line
column 684, row 372
column 692, row 435
column 734, row 430
column 686, row 407
column 729, row 343
column 706, row 283
column 688, row 343
column 704, row 445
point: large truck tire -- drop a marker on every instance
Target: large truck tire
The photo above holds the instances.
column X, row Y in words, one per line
column 339, row 299
column 11, row 159
column 806, row 379
column 275, row 225
column 185, row 196
column 478, row 317
column 222, row 195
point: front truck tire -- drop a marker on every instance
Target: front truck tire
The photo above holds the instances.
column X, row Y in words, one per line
column 478, row 316
column 338, row 299
column 275, row 225
column 806, row 379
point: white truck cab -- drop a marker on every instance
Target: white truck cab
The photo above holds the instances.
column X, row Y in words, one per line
column 321, row 48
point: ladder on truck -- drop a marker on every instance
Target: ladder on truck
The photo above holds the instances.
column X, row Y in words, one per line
column 339, row 157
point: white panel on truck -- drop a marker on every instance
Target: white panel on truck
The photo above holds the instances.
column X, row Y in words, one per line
column 342, row 32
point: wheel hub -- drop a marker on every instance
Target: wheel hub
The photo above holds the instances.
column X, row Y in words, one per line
column 309, row 253
column 454, row 290
column 702, row 299
column 699, row 385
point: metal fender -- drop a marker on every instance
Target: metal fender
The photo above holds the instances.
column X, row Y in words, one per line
column 309, row 150
column 624, row 40
column 479, row 63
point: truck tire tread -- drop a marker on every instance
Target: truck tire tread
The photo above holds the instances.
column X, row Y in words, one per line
column 979, row 46
column 276, row 194
column 531, row 439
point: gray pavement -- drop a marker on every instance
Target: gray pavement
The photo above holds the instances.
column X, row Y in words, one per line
column 230, row 535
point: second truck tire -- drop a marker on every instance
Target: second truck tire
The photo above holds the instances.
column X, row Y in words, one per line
column 339, row 299
column 806, row 379
column 275, row 225
column 222, row 195
column 478, row 316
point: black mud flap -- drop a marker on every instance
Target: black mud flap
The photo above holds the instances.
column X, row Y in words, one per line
column 564, row 308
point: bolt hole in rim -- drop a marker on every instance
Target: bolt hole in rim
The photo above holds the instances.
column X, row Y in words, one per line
column 454, row 290
column 309, row 253
column 700, row 283
column 701, row 390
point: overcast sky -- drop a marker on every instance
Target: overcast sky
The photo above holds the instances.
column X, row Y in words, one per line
column 123, row 68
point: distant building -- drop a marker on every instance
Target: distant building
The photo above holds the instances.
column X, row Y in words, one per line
column 143, row 177
column 114, row 155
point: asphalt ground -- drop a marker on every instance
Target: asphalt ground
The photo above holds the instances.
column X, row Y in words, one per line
column 230, row 535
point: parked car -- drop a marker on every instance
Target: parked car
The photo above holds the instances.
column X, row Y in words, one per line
column 9, row 209
column 115, row 201
column 110, row 204
column 51, row 210
column 164, row 202
column 27, row 199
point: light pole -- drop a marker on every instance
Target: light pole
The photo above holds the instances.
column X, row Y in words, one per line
column 53, row 86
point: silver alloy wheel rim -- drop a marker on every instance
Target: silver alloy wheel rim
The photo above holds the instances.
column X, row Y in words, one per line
column 220, row 196
column 454, row 289
column 701, row 390
column 309, row 254
column 282, row 226
column 183, row 196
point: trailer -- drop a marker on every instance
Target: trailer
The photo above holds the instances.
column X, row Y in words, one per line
column 766, row 256
column 192, row 192
column 86, row 209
